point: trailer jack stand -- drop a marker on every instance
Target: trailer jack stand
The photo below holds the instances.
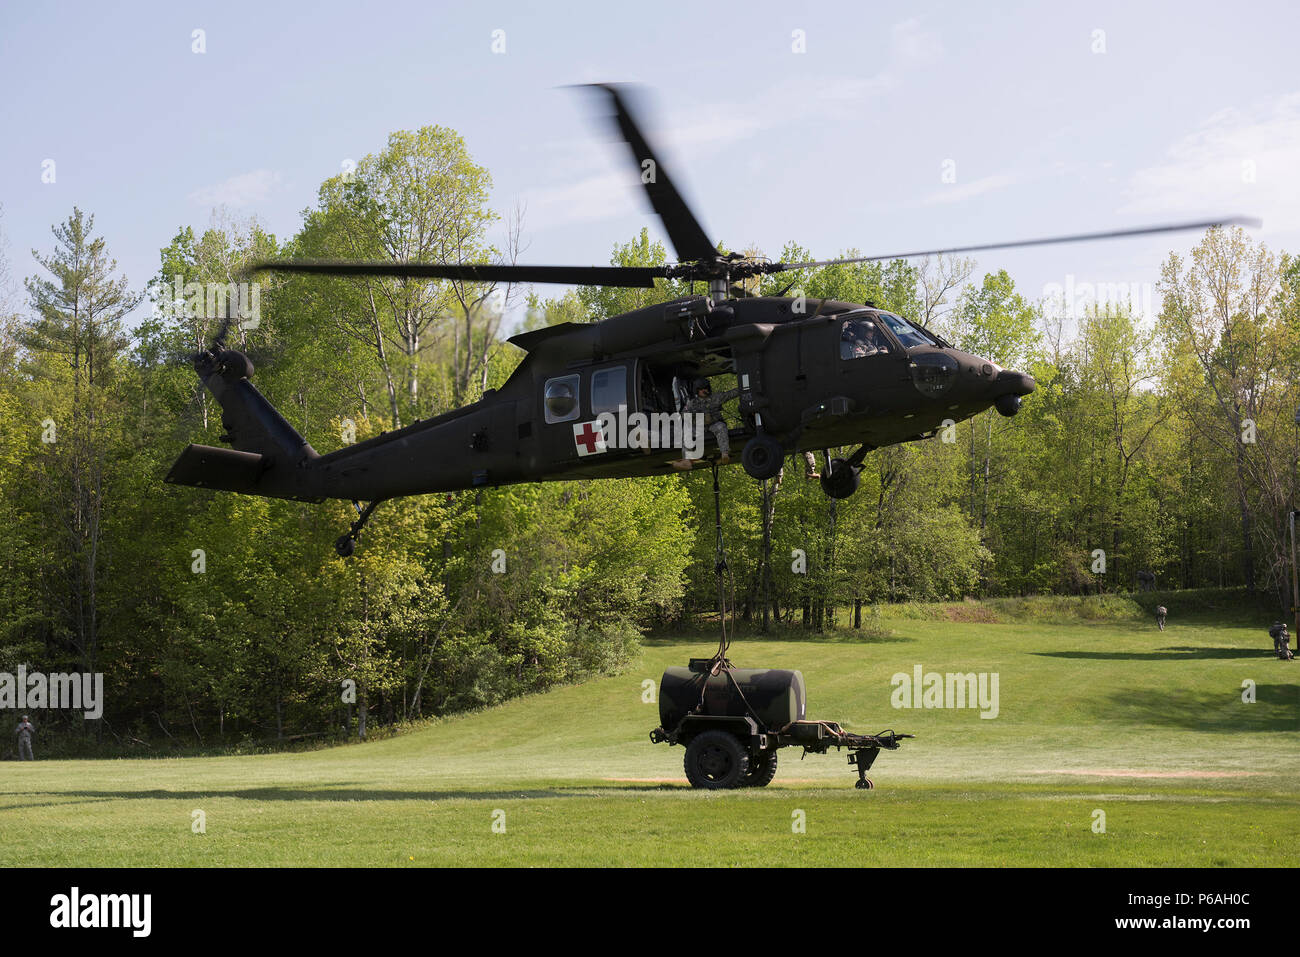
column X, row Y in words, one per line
column 863, row 758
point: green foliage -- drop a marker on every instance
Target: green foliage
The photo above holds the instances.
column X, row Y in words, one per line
column 226, row 621
column 995, row 321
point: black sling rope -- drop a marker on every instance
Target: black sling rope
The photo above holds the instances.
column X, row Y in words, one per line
column 723, row 572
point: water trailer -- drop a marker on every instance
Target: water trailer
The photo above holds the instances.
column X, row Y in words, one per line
column 732, row 721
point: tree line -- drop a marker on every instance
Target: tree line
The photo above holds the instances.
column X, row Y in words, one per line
column 1167, row 447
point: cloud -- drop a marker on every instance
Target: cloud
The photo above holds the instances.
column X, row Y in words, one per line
column 1236, row 161
column 603, row 191
column 587, row 200
column 910, row 42
column 246, row 189
column 960, row 192
column 707, row 129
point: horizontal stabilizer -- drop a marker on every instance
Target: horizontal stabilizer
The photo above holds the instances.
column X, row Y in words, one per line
column 226, row 469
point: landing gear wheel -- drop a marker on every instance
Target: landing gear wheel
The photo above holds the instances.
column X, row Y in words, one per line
column 716, row 760
column 762, row 770
column 762, row 457
column 840, row 480
column 865, row 784
column 345, row 546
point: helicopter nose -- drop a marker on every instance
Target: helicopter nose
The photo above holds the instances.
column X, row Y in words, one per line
column 1014, row 383
column 1010, row 387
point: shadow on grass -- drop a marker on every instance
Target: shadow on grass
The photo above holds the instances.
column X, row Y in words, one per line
column 1177, row 653
column 1276, row 708
column 343, row 795
column 838, row 636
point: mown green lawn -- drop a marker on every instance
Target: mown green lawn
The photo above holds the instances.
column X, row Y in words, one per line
column 1147, row 727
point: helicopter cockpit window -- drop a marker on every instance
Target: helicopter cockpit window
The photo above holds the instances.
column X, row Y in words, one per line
column 561, row 398
column 608, row 389
column 907, row 333
column 859, row 338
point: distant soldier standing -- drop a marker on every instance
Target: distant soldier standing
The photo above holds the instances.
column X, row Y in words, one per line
column 1161, row 613
column 25, row 732
column 1281, row 641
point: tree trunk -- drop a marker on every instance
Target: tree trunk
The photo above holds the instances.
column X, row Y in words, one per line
column 1248, row 549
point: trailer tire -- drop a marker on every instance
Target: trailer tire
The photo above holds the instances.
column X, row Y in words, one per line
column 716, row 760
column 762, row 770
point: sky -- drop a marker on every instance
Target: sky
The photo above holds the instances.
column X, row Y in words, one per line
column 876, row 127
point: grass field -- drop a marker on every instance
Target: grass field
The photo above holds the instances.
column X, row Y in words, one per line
column 1147, row 727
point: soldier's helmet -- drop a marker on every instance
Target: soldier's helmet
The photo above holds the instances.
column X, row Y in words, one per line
column 703, row 385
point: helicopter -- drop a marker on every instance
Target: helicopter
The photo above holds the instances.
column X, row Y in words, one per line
column 812, row 375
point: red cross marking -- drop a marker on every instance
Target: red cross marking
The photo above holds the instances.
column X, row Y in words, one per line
column 590, row 436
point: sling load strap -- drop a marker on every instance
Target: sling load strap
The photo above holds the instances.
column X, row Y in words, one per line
column 723, row 572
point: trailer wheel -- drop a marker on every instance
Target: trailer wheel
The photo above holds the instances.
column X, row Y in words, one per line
column 762, row 770
column 716, row 760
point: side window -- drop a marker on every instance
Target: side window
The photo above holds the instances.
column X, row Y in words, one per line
column 859, row 338
column 608, row 389
column 560, row 397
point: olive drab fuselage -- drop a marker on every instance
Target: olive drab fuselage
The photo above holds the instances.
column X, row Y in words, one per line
column 800, row 383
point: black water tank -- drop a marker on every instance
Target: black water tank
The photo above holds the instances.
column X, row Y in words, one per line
column 777, row 697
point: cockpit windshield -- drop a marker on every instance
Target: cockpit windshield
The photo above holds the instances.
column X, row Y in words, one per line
column 904, row 331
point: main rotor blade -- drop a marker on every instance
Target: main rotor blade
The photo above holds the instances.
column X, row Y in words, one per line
column 640, row 277
column 684, row 230
column 1045, row 241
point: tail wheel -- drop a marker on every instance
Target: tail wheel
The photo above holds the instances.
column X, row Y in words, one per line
column 762, row 770
column 716, row 760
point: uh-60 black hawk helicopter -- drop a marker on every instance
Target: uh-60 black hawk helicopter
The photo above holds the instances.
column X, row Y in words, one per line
column 812, row 375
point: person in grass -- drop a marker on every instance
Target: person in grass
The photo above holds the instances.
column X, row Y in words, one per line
column 1281, row 641
column 25, row 732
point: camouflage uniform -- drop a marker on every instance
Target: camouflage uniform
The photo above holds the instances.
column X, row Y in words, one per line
column 25, row 730
column 711, row 406
column 1161, row 613
column 1281, row 640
